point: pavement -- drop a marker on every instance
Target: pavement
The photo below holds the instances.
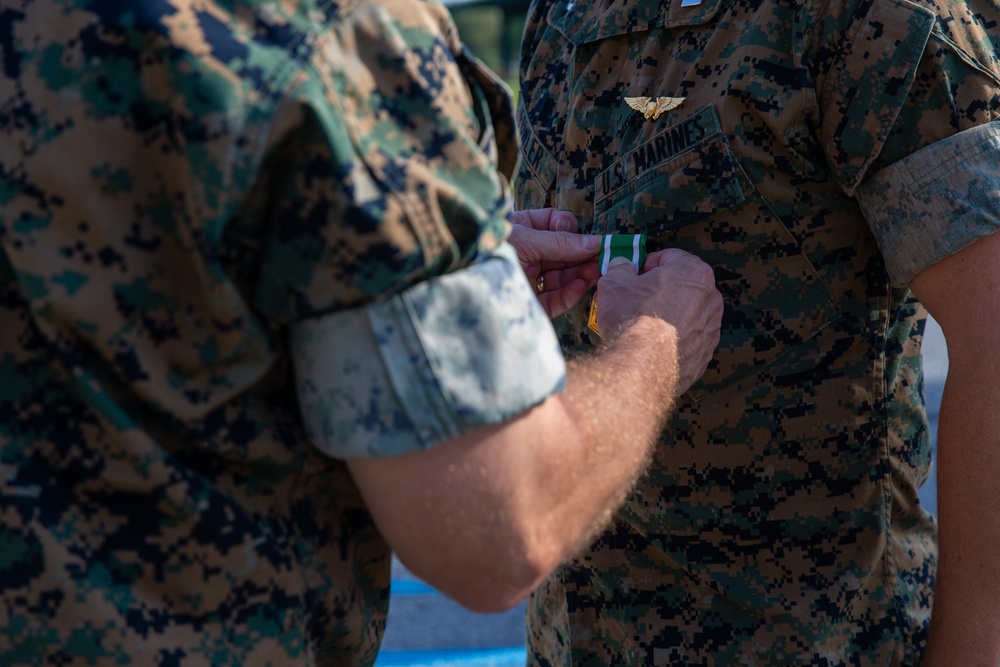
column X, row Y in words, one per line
column 427, row 629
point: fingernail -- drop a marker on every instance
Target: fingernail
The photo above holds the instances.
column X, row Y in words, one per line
column 592, row 243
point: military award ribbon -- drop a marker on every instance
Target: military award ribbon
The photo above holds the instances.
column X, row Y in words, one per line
column 630, row 246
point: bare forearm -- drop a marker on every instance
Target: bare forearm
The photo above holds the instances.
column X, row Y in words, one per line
column 965, row 629
column 510, row 503
column 962, row 292
column 616, row 405
column 487, row 515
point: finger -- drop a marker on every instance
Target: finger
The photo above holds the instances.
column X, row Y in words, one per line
column 560, row 274
column 563, row 221
column 547, row 219
column 559, row 278
column 661, row 257
column 532, row 272
column 619, row 265
column 521, row 218
column 554, row 247
column 565, row 298
column 589, row 273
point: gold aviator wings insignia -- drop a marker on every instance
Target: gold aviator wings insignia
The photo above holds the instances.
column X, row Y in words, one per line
column 650, row 108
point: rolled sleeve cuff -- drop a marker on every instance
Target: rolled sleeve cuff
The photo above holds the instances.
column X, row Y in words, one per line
column 447, row 356
column 935, row 202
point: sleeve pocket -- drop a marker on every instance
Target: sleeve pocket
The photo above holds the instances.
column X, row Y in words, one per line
column 868, row 85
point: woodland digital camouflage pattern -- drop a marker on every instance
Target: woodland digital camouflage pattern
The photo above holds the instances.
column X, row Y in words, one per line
column 180, row 183
column 779, row 523
column 458, row 351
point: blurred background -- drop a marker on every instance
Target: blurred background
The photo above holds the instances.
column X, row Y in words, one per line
column 425, row 628
column 492, row 29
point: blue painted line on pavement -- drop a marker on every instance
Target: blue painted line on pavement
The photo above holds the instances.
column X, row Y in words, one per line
column 412, row 587
column 456, row 657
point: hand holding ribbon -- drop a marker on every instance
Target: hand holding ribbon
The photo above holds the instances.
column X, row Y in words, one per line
column 559, row 262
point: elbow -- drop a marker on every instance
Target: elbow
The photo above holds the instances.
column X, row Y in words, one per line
column 491, row 583
column 498, row 591
column 489, row 599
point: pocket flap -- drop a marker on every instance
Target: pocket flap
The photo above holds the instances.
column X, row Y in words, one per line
column 583, row 22
column 701, row 182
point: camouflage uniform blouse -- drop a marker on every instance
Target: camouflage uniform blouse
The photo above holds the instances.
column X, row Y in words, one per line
column 825, row 153
column 225, row 225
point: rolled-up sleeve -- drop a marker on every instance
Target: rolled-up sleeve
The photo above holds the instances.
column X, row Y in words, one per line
column 373, row 245
column 936, row 201
column 447, row 356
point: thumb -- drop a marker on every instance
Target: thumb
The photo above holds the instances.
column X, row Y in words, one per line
column 620, row 265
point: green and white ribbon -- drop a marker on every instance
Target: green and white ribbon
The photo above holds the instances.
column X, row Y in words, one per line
column 630, row 246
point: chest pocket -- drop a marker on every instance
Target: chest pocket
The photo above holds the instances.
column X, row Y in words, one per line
column 685, row 189
column 568, row 26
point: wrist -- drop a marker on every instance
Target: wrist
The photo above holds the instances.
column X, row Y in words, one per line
column 649, row 346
